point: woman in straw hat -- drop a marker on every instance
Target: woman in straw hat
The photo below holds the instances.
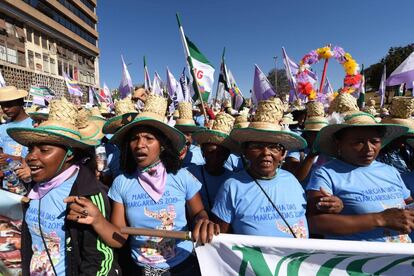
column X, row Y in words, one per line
column 373, row 194
column 12, row 101
column 302, row 163
column 153, row 193
column 216, row 147
column 263, row 199
column 52, row 244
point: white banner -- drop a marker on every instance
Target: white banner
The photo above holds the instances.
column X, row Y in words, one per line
column 253, row 255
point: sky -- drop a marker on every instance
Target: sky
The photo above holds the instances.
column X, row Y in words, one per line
column 253, row 32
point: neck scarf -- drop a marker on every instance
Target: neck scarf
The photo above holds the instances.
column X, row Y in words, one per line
column 153, row 179
column 41, row 189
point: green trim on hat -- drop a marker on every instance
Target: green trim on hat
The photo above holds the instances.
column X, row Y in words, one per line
column 176, row 137
column 189, row 127
column 59, row 128
column 317, row 122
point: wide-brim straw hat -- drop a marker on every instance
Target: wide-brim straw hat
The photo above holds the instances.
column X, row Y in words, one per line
column 209, row 136
column 315, row 123
column 40, row 115
column 125, row 113
column 11, row 93
column 325, row 141
column 187, row 125
column 400, row 121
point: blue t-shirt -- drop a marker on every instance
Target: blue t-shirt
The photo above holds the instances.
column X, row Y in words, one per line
column 241, row 203
column 210, row 184
column 193, row 156
column 166, row 214
column 408, row 179
column 319, row 161
column 52, row 216
column 234, row 163
column 8, row 144
column 363, row 190
column 113, row 158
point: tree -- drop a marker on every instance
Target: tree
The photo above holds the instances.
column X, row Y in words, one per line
column 394, row 57
column 282, row 87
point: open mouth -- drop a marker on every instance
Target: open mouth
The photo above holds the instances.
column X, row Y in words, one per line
column 35, row 169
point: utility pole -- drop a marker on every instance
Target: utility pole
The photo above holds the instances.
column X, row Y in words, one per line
column 275, row 58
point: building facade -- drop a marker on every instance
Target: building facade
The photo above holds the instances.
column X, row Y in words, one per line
column 41, row 40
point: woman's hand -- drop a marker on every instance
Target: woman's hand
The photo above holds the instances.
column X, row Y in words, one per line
column 24, row 172
column 401, row 220
column 204, row 230
column 329, row 203
column 82, row 210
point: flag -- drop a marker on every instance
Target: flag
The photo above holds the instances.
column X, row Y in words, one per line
column 253, row 255
column 157, row 85
column 125, row 87
column 201, row 69
column 2, row 82
column 73, row 86
column 41, row 95
column 235, row 91
column 184, row 82
column 404, row 73
column 361, row 90
column 262, row 89
column 327, row 88
column 91, row 96
column 147, row 79
column 174, row 91
column 382, row 86
column 401, row 89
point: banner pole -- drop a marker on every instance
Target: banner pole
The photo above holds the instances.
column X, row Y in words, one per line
column 182, row 235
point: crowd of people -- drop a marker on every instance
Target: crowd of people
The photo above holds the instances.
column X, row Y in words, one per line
column 275, row 169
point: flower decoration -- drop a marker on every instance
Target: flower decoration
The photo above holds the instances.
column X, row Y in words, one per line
column 352, row 80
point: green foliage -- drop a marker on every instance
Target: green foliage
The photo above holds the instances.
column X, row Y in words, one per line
column 282, row 88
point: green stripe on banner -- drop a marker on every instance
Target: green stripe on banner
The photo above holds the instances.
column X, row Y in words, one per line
column 254, row 256
column 291, row 256
column 394, row 263
column 195, row 52
column 101, row 246
column 329, row 265
column 294, row 265
column 355, row 267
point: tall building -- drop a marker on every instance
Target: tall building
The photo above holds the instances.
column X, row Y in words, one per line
column 40, row 40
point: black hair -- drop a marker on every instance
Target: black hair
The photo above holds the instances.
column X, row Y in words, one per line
column 169, row 156
column 340, row 133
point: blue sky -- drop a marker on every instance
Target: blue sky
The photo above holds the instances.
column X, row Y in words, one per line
column 253, row 32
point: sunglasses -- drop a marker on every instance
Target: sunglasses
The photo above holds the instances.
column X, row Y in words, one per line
column 273, row 147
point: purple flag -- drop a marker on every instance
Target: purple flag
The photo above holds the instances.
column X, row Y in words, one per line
column 157, row 85
column 125, row 87
column 147, row 79
column 73, row 86
column 262, row 89
column 404, row 72
column 382, row 86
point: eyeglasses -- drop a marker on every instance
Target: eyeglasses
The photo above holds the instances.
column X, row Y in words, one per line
column 273, row 147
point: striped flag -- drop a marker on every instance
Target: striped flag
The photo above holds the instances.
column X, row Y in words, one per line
column 2, row 82
column 382, row 86
column 125, row 87
column 147, row 79
column 73, row 86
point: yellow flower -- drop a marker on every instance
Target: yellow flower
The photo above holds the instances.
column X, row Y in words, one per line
column 324, row 52
column 351, row 67
column 312, row 95
column 348, row 56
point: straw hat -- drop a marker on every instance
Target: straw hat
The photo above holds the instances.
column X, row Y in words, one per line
column 343, row 103
column 297, row 105
column 153, row 115
column 185, row 122
column 325, row 141
column 315, row 119
column 125, row 112
column 88, row 129
column 288, row 120
column 11, row 93
column 95, row 112
column 400, row 113
column 59, row 129
column 40, row 114
column 266, row 127
column 219, row 133
column 104, row 109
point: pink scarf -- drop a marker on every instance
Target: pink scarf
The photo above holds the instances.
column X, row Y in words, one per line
column 41, row 189
column 153, row 181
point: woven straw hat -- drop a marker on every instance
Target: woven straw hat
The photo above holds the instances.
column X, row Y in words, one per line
column 297, row 105
column 11, row 93
column 59, row 129
column 153, row 115
column 400, row 113
column 185, row 122
column 125, row 112
column 95, row 112
column 266, row 127
column 315, row 119
column 288, row 120
column 219, row 133
column 88, row 129
column 40, row 114
column 343, row 103
column 325, row 141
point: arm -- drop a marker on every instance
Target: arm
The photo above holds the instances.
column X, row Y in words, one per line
column 82, row 210
column 321, row 223
column 305, row 167
column 204, row 229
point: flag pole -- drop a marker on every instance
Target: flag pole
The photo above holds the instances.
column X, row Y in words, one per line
column 325, row 67
column 218, row 83
column 190, row 62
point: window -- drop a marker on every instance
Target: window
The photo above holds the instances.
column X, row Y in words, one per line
column 37, row 55
column 11, row 55
column 71, row 71
column 52, row 66
column 3, row 55
column 21, row 58
column 60, row 71
column 44, row 42
column 29, row 35
column 30, row 56
column 36, row 38
column 46, row 63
